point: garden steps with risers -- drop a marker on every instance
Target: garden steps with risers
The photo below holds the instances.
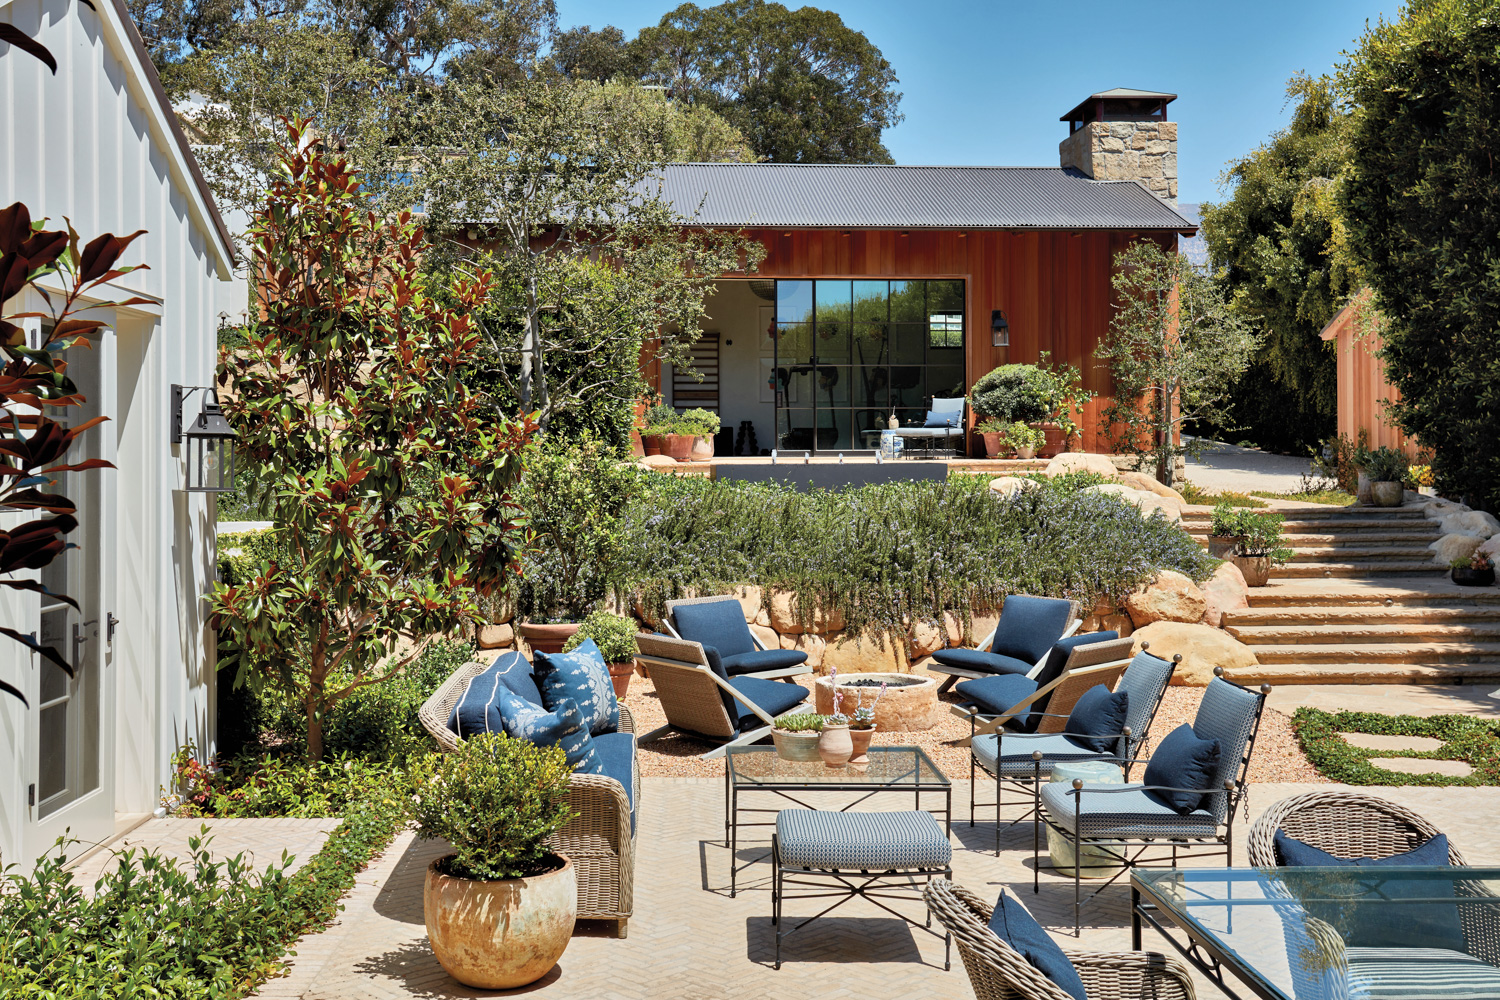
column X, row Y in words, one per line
column 1353, row 550
column 1425, row 590
column 1277, row 674
column 1362, row 614
column 1427, row 653
column 1349, row 569
column 1364, row 632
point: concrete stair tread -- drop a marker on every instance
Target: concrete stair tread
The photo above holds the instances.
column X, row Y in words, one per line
column 1399, row 614
column 1391, row 652
column 1344, row 553
column 1428, row 588
column 1364, row 632
column 1363, row 673
column 1317, row 569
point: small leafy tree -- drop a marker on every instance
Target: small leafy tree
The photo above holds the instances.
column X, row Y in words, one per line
column 1175, row 349
column 387, row 476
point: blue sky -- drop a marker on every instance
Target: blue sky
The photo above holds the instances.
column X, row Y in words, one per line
column 984, row 82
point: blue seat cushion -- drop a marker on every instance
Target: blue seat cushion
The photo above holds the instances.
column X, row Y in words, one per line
column 720, row 624
column 981, row 662
column 773, row 697
column 826, row 839
column 1019, row 747
column 616, row 755
column 1098, row 717
column 478, row 707
column 1122, row 811
column 515, row 673
column 1182, row 760
column 993, row 695
column 762, row 659
column 1057, row 660
column 1012, row 924
column 581, row 677
column 1029, row 626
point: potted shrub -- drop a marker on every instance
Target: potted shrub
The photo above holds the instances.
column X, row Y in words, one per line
column 1476, row 571
column 1024, row 439
column 992, row 433
column 862, row 727
column 796, row 736
column 701, row 425
column 658, row 421
column 1061, row 431
column 615, row 636
column 1259, row 546
column 500, row 908
column 1387, row 470
column 1012, row 393
column 1224, row 531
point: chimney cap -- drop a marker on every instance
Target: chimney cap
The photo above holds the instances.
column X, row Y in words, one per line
column 1145, row 99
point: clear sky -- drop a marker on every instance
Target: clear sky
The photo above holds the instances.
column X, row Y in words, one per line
column 985, row 82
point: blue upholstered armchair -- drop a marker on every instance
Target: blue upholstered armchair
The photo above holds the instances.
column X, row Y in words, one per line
column 1020, row 644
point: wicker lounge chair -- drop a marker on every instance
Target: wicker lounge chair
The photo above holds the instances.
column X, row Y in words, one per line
column 599, row 839
column 984, row 661
column 700, row 702
column 1346, row 825
column 999, row 972
column 741, row 653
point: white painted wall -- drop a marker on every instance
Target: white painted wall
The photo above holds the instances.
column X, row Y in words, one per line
column 94, row 144
column 735, row 312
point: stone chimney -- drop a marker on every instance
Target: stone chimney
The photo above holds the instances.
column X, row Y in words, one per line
column 1124, row 135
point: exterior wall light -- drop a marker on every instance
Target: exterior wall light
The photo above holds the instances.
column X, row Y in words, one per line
column 210, row 442
column 999, row 329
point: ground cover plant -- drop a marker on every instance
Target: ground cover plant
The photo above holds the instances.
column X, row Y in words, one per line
column 1332, row 497
column 1195, row 494
column 1472, row 740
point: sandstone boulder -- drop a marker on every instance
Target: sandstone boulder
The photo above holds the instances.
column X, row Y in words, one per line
column 1147, row 503
column 1170, row 597
column 923, row 637
column 750, row 600
column 1453, row 547
column 863, row 656
column 1119, row 623
column 767, row 637
column 784, row 616
column 1491, row 549
column 658, row 462
column 1474, row 523
column 1202, row 647
column 1225, row 591
column 495, row 636
column 1078, row 461
column 1008, row 485
column 1148, row 484
column 812, row 645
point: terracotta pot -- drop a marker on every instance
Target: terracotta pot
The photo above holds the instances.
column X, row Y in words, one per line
column 1257, row 569
column 835, row 746
column 637, row 446
column 655, row 444
column 795, row 746
column 503, row 934
column 861, row 740
column 619, row 676
column 1386, row 494
column 547, row 638
column 702, row 450
column 1466, row 576
column 1053, row 443
column 1027, row 453
column 992, row 443
column 1222, row 546
column 680, row 447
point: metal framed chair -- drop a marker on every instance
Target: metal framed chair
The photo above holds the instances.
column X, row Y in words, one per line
column 1064, row 617
column 742, row 654
column 702, row 702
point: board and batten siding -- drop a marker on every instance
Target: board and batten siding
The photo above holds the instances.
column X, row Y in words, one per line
column 95, row 143
column 1363, row 389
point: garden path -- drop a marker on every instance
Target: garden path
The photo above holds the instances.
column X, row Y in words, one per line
column 1229, row 467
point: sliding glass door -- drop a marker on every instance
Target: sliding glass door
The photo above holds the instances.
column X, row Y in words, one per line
column 849, row 353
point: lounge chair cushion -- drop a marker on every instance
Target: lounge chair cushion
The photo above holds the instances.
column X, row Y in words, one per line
column 1182, row 760
column 981, row 662
column 1012, row 924
column 1055, row 748
column 1029, row 626
column 720, row 624
column 773, row 697
column 478, row 708
column 515, row 673
column 1128, row 812
column 1098, row 717
column 1057, row 660
column 994, row 695
column 616, row 755
column 581, row 677
column 762, row 659
column 1403, row 973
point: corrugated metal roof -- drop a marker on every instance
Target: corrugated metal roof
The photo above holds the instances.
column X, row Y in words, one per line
column 1117, row 94
column 872, row 196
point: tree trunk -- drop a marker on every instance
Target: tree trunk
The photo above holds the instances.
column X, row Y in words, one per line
column 1164, row 454
column 315, row 723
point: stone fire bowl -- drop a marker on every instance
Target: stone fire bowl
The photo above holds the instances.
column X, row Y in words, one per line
column 910, row 704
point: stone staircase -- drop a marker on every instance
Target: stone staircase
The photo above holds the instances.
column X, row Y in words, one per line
column 1363, row 602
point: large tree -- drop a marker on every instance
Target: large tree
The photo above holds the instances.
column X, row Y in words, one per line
column 1280, row 246
column 1423, row 203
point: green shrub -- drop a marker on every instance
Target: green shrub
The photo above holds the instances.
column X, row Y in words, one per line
column 1465, row 738
column 699, row 422
column 1386, row 465
column 496, row 800
column 613, row 634
column 1014, row 392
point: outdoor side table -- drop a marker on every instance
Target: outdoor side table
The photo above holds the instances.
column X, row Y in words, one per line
column 1099, row 861
column 757, row 769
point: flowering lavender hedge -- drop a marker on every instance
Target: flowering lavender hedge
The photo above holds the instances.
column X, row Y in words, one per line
column 890, row 554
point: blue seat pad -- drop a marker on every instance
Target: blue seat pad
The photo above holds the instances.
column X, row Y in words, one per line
column 773, row 697
column 1000, row 693
column 982, row 662
column 762, row 659
column 1029, row 626
column 1131, row 813
column 1019, row 747
column 616, row 756
column 813, row 838
column 1403, row 973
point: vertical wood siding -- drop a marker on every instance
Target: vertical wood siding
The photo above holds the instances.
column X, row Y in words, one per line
column 1363, row 389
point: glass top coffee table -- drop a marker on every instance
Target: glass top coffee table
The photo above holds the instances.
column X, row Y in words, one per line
column 1331, row 933
column 758, row 769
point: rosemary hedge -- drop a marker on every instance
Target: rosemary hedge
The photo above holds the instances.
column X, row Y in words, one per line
column 885, row 555
column 1474, row 741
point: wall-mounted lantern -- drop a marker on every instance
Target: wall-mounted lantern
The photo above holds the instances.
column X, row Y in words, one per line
column 999, row 329
column 210, row 442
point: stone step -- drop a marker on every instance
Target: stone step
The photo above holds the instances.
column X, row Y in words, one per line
column 1372, row 537
column 1365, row 673
column 1361, row 633
column 1399, row 533
column 1430, row 653
column 1408, row 591
column 1377, row 614
column 1343, row 569
column 1352, row 553
column 1194, row 521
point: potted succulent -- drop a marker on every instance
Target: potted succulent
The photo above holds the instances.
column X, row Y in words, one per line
column 796, row 736
column 615, row 636
column 862, row 727
column 835, row 745
column 1259, row 545
column 1224, row 531
column 701, row 425
column 658, row 421
column 992, row 432
column 1476, row 571
column 1387, row 469
column 1024, row 438
column 500, row 909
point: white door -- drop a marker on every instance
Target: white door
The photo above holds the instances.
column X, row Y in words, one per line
column 70, row 771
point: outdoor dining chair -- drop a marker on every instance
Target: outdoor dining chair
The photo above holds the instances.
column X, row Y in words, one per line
column 701, row 700
column 1019, row 644
column 720, row 622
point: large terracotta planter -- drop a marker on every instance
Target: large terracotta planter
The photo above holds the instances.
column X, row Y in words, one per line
column 1222, row 546
column 1054, row 442
column 992, row 443
column 680, row 447
column 619, row 676
column 1256, row 569
column 655, row 444
column 1387, row 494
column 702, row 450
column 547, row 637
column 504, row 934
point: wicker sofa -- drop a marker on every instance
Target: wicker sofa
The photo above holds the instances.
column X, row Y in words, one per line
column 600, row 839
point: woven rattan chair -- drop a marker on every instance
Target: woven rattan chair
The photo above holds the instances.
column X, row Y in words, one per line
column 786, row 673
column 958, row 673
column 598, row 839
column 999, row 972
column 1344, row 824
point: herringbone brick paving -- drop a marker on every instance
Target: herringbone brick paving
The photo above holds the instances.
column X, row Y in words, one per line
column 690, row 941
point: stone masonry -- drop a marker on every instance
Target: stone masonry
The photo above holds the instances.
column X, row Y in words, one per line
column 1144, row 151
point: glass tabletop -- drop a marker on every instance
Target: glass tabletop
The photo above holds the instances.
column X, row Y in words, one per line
column 896, row 767
column 1340, row 933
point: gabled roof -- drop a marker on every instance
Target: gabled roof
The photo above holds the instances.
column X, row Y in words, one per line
column 1117, row 94
column 877, row 196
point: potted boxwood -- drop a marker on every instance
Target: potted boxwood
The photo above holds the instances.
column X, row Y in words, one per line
column 1024, row 439
column 500, row 909
column 1012, row 393
column 657, row 422
column 1259, row 546
column 1223, row 531
column 1387, row 469
column 615, row 636
column 796, row 736
column 1476, row 571
column 701, row 425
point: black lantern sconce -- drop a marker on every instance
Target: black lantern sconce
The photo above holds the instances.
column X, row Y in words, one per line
column 999, row 329
column 210, row 442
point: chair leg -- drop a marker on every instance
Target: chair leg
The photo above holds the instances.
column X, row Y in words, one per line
column 1077, row 860
column 621, row 928
column 973, row 776
column 776, row 894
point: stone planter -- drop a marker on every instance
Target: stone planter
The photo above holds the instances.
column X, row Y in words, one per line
column 1362, row 490
column 795, row 746
column 679, row 447
column 861, row 740
column 1466, row 576
column 547, row 637
column 910, row 704
column 702, row 450
column 1222, row 546
column 619, row 676
column 655, row 444
column 1386, row 494
column 992, row 443
column 835, row 745
column 504, row 934
column 1256, row 569
column 1027, row 453
column 1054, row 443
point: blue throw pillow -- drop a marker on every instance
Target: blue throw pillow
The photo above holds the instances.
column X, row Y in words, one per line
column 515, row 673
column 516, row 717
column 1097, row 718
column 720, row 624
column 581, row 676
column 1019, row 929
column 478, row 708
column 943, row 418
column 1029, row 626
column 1182, row 760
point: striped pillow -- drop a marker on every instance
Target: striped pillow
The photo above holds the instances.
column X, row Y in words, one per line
column 478, row 708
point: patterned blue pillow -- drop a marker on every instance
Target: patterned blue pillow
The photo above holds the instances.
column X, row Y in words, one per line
column 581, row 676
column 563, row 726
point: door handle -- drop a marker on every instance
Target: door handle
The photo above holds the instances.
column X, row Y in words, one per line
column 79, row 638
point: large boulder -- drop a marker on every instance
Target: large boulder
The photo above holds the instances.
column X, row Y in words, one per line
column 1225, row 591
column 1008, row 485
column 924, row 637
column 1148, row 484
column 864, row 656
column 750, row 601
column 1491, row 549
column 1147, row 503
column 784, row 616
column 812, row 645
column 1078, row 461
column 1202, row 647
column 1474, row 523
column 655, row 462
column 1171, row 597
column 492, row 636
column 1451, row 548
column 766, row 636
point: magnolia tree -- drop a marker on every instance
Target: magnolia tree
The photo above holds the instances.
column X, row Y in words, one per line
column 387, row 476
column 1175, row 349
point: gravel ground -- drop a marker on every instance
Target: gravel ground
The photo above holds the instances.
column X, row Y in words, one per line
column 1277, row 757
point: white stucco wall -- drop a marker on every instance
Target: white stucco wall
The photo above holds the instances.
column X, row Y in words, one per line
column 735, row 313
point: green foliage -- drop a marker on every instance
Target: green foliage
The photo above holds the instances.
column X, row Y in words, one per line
column 1422, row 200
column 699, row 422
column 800, row 722
column 1226, row 520
column 1475, row 741
column 1259, row 533
column 1175, row 350
column 888, row 554
column 660, row 419
column 1386, row 465
column 613, row 634
column 1014, row 393
column 1195, row 494
column 496, row 800
column 1070, row 482
column 1331, row 496
column 1019, row 435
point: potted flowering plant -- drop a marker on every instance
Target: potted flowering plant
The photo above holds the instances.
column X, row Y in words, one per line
column 862, row 726
column 615, row 636
column 796, row 736
column 1476, row 571
column 835, row 745
column 1024, row 439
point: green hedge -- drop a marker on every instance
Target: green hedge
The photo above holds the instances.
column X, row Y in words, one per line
column 1474, row 741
